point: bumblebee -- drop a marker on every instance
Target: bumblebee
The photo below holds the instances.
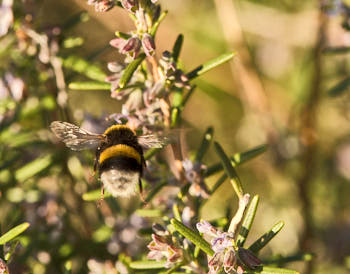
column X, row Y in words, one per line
column 119, row 153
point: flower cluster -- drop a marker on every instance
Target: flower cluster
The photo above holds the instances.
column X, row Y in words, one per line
column 102, row 5
column 194, row 175
column 227, row 253
column 3, row 267
column 145, row 106
column 162, row 245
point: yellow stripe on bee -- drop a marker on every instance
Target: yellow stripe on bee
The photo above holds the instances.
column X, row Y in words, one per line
column 116, row 127
column 119, row 150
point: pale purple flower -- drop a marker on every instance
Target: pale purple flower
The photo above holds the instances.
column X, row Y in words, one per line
column 3, row 267
column 16, row 86
column 102, row 5
column 115, row 77
column 132, row 46
column 6, row 16
column 98, row 267
column 227, row 254
column 148, row 44
column 222, row 244
column 194, row 175
column 162, row 246
column 129, row 5
column 248, row 258
column 174, row 76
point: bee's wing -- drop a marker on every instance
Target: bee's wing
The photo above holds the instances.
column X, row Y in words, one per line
column 153, row 140
column 74, row 137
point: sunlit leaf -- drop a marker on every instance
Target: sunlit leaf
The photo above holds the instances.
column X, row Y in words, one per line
column 193, row 236
column 339, row 88
column 281, row 260
column 151, row 213
column 130, row 69
column 231, row 172
column 206, row 140
column 102, row 234
column 95, row 195
column 157, row 23
column 237, row 159
column 210, row 65
column 155, row 190
column 14, row 232
column 274, row 270
column 33, row 168
column 176, row 212
column 84, row 67
column 177, row 47
column 147, row 264
column 266, row 238
column 247, row 221
column 89, row 86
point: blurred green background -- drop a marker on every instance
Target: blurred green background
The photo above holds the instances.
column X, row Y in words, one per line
column 276, row 91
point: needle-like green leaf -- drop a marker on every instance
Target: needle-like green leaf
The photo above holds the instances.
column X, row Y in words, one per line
column 230, row 170
column 273, row 270
column 266, row 238
column 84, row 67
column 206, row 140
column 280, row 260
column 150, row 213
column 89, row 86
column 122, row 35
column 33, row 168
column 219, row 182
column 193, row 236
column 94, row 195
column 176, row 212
column 247, row 221
column 210, row 65
column 155, row 190
column 14, row 232
column 147, row 264
column 340, row 88
column 177, row 47
column 237, row 159
column 157, row 23
column 130, row 69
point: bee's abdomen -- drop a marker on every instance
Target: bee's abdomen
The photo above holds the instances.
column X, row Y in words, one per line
column 120, row 156
column 120, row 150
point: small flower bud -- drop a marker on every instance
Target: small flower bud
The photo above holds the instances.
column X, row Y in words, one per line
column 104, row 5
column 166, row 56
column 159, row 230
column 117, row 43
column 128, row 4
column 215, row 262
column 148, row 44
column 114, row 67
column 248, row 258
column 174, row 253
column 92, row 2
column 3, row 267
column 132, row 45
column 229, row 260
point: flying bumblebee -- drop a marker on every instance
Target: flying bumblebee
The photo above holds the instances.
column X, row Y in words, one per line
column 119, row 153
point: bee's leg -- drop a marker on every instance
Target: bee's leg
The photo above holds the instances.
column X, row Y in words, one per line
column 102, row 196
column 141, row 192
column 93, row 174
